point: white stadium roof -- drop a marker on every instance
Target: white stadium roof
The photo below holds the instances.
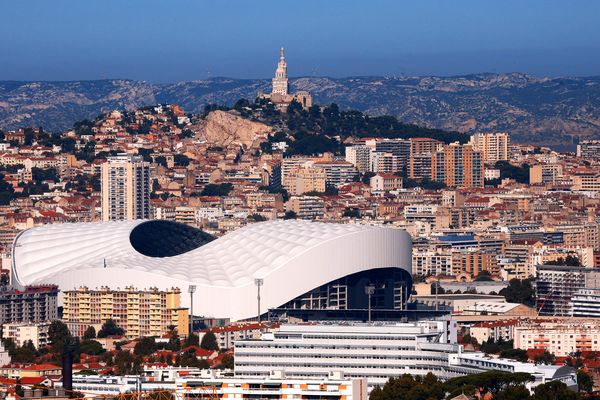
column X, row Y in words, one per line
column 291, row 256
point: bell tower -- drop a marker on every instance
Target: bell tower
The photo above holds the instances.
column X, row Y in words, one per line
column 280, row 81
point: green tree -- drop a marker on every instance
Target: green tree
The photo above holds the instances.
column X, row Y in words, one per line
column 58, row 336
column 209, row 341
column 546, row 358
column 25, row 353
column 145, row 346
column 585, row 382
column 290, row 215
column 553, row 390
column 227, row 362
column 221, row 189
column 191, row 340
column 91, row 347
column 181, row 160
column 110, row 328
column 515, row 354
column 257, row 217
column 518, row 392
column 519, row 291
column 507, row 170
column 90, row 333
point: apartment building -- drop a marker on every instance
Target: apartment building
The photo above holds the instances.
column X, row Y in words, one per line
column 21, row 333
column 305, row 179
column 560, row 337
column 33, row 304
column 359, row 156
column 125, row 188
column 492, row 145
column 586, row 303
column 473, row 263
column 589, row 149
column 385, row 182
column 306, row 207
column 458, row 165
column 545, row 173
column 139, row 312
column 337, row 172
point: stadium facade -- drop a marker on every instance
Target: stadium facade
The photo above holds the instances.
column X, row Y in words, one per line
column 303, row 265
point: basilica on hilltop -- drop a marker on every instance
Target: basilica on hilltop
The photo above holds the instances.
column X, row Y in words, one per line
column 280, row 95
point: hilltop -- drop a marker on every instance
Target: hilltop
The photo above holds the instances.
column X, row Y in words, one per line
column 535, row 110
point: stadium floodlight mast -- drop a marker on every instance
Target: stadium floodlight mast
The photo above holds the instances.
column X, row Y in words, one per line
column 191, row 290
column 258, row 282
column 369, row 291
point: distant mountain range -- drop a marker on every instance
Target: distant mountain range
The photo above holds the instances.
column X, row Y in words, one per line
column 533, row 110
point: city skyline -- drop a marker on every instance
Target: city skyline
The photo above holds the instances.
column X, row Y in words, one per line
column 157, row 42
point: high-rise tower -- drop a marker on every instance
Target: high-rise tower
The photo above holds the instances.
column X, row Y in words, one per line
column 280, row 81
column 125, row 188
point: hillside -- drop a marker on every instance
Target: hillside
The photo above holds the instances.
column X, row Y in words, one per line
column 536, row 110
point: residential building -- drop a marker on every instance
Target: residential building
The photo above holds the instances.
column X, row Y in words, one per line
column 493, row 330
column 139, row 312
column 420, row 166
column 305, row 179
column 559, row 337
column 458, row 165
column 587, row 181
column 474, row 262
column 359, row 156
column 21, row 333
column 33, row 304
column 386, row 163
column 125, row 188
column 400, row 148
column 337, row 172
column 385, row 182
column 586, row 303
column 492, row 145
column 306, row 207
column 589, row 149
column 545, row 173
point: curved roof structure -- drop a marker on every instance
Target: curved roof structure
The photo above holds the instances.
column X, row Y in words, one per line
column 291, row 256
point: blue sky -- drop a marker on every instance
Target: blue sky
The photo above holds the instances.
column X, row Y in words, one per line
column 173, row 40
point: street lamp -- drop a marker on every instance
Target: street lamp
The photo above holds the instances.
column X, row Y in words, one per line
column 369, row 291
column 191, row 290
column 258, row 282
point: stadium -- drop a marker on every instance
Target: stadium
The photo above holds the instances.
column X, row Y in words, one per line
column 302, row 265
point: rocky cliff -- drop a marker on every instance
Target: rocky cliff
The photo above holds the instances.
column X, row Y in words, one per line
column 221, row 128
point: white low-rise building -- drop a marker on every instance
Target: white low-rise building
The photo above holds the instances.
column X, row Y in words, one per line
column 375, row 352
column 22, row 332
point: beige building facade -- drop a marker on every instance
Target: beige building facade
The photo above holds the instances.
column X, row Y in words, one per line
column 139, row 312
